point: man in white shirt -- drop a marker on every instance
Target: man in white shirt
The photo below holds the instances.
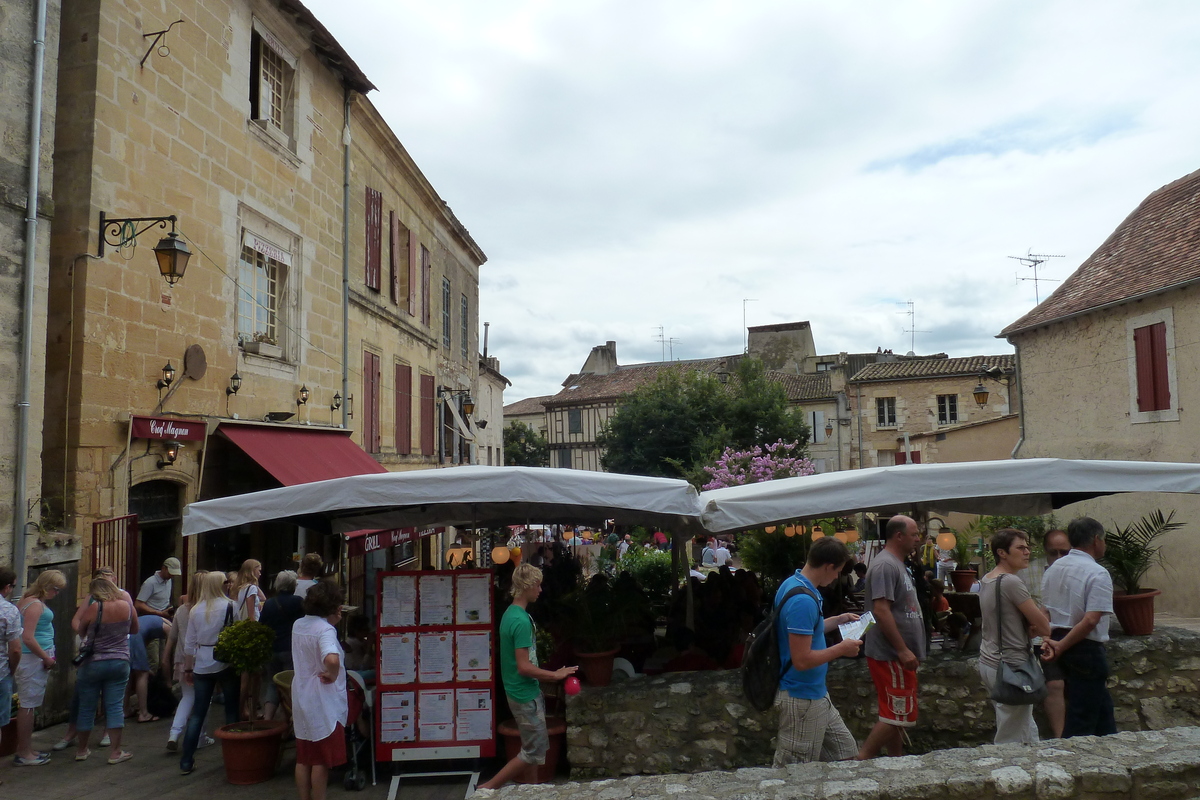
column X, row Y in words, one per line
column 623, row 547
column 1077, row 592
column 154, row 598
column 723, row 556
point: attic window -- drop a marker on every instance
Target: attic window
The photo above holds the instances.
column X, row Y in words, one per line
column 572, row 388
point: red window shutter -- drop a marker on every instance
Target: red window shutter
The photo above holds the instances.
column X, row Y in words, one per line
column 1158, row 349
column 394, row 255
column 371, row 402
column 901, row 457
column 427, row 415
column 374, row 238
column 914, row 457
column 1150, row 351
column 413, row 272
column 403, row 409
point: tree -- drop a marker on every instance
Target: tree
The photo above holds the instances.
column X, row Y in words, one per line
column 525, row 447
column 680, row 422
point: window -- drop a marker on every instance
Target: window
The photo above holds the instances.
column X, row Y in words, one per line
column 403, row 409
column 885, row 412
column 825, row 366
column 447, row 326
column 564, row 459
column 427, row 415
column 465, row 325
column 400, row 262
column 947, row 409
column 1152, row 367
column 260, row 279
column 374, row 241
column 272, row 76
column 574, row 420
column 911, row 457
column 371, row 402
column 816, row 427
column 426, row 272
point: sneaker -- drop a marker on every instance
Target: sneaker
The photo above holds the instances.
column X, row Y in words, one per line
column 63, row 744
column 105, row 742
column 205, row 741
column 36, row 761
column 172, row 744
column 188, row 770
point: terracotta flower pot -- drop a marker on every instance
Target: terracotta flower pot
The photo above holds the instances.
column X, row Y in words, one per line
column 556, row 727
column 1135, row 612
column 597, row 668
column 963, row 579
column 250, row 750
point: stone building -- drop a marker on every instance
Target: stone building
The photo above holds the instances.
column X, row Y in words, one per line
column 29, row 58
column 1108, row 365
column 530, row 411
column 246, row 130
column 489, row 413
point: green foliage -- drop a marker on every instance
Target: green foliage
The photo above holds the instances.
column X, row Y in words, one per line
column 245, row 645
column 774, row 556
column 674, row 426
column 597, row 618
column 1131, row 551
column 1036, row 527
column 525, row 447
column 966, row 544
column 652, row 570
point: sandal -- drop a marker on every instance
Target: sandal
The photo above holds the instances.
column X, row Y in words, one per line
column 123, row 755
column 150, row 718
column 63, row 744
column 83, row 756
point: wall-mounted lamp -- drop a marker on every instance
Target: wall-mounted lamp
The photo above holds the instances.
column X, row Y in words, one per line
column 302, row 399
column 468, row 403
column 829, row 427
column 1001, row 376
column 171, row 251
column 235, row 383
column 168, row 377
column 172, row 453
column 482, row 423
column 337, row 401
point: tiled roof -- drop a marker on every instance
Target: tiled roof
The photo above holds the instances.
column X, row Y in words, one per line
column 587, row 387
column 943, row 431
column 530, row 405
column 932, row 368
column 1153, row 249
column 813, row 386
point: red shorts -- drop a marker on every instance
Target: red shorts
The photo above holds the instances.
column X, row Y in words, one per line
column 329, row 752
column 896, row 689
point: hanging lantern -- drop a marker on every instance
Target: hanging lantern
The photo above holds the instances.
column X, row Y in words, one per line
column 770, row 529
column 800, row 529
column 817, row 533
column 946, row 540
column 789, row 531
column 515, row 554
column 851, row 536
column 842, row 537
column 500, row 555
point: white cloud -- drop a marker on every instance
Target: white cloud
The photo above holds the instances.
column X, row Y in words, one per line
column 628, row 165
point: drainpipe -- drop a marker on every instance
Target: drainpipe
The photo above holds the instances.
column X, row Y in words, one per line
column 1020, row 399
column 858, row 413
column 346, row 261
column 20, row 511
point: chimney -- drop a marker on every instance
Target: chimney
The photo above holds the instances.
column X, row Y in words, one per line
column 602, row 360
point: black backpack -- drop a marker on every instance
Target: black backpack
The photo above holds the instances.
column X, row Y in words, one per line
column 761, row 668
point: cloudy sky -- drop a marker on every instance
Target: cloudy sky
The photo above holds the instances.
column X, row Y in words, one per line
column 630, row 165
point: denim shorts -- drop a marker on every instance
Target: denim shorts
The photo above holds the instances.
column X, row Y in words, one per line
column 531, row 722
column 6, row 693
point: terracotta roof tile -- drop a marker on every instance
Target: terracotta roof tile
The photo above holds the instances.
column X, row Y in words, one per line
column 1154, row 248
column 587, row 387
column 932, row 368
column 812, row 386
column 530, row 405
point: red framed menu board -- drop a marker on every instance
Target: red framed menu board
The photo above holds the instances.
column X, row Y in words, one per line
column 435, row 690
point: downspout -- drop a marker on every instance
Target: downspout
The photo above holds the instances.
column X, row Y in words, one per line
column 346, row 261
column 1020, row 399
column 858, row 413
column 20, row 511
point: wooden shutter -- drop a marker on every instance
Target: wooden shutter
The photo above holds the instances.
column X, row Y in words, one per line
column 374, row 238
column 427, row 416
column 1150, row 351
column 426, row 287
column 371, row 402
column 403, row 409
column 394, row 255
column 413, row 267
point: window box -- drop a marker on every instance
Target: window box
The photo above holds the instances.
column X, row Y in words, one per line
column 265, row 349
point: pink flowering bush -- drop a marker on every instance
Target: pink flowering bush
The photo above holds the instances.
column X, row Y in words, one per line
column 779, row 460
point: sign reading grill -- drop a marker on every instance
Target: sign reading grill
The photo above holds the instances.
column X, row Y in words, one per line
column 361, row 542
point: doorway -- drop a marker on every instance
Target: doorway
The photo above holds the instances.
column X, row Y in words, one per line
column 158, row 505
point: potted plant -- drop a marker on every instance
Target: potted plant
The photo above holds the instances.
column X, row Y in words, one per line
column 963, row 577
column 249, row 749
column 1130, row 553
column 596, row 624
column 263, row 345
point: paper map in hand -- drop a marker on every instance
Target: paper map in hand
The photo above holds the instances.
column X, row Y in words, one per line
column 857, row 630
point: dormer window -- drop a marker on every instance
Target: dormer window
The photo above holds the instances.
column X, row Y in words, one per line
column 272, row 86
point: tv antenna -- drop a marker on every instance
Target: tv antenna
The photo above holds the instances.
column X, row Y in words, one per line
column 661, row 339
column 671, row 346
column 912, row 326
column 1032, row 259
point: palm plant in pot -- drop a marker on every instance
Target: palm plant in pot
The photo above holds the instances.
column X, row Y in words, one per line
column 596, row 625
column 963, row 577
column 250, row 749
column 1130, row 552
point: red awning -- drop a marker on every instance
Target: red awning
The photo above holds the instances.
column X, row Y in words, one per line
column 295, row 456
column 361, row 542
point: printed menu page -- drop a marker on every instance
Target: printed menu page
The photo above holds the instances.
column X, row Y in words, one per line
column 437, row 600
column 474, row 655
column 398, row 658
column 474, row 718
column 397, row 717
column 474, row 600
column 436, row 720
column 399, row 607
column 436, row 664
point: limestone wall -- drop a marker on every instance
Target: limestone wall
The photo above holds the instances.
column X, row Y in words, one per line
column 696, row 721
column 1158, row 765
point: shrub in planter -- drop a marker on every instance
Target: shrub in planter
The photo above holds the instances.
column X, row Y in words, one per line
column 1130, row 553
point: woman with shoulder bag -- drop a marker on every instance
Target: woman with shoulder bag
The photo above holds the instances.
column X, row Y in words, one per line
column 37, row 659
column 207, row 618
column 104, row 668
column 1009, row 613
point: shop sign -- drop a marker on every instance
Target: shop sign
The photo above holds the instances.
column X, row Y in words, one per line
column 167, row 428
column 362, row 542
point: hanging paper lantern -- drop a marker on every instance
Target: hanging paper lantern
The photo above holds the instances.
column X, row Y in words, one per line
column 851, row 536
column 800, row 529
column 817, row 533
column 946, row 540
column 842, row 537
column 770, row 529
column 500, row 555
column 790, row 530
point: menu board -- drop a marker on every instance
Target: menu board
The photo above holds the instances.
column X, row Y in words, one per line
column 437, row 665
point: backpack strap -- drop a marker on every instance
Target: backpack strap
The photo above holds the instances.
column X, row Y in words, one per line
column 779, row 610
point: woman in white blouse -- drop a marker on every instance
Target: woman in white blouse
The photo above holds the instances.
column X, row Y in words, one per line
column 208, row 616
column 319, row 703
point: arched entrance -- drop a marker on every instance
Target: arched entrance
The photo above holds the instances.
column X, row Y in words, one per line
column 158, row 505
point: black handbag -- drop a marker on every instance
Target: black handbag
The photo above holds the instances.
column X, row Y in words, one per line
column 1022, row 685
column 88, row 647
column 218, row 653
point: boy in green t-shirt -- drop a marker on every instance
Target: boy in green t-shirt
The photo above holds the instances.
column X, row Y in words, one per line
column 520, row 672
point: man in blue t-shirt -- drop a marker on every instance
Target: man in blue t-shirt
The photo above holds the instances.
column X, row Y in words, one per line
column 810, row 728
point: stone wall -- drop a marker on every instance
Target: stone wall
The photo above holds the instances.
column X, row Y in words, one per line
column 1157, row 765
column 696, row 721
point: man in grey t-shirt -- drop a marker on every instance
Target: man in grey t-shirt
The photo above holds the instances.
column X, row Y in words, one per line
column 895, row 645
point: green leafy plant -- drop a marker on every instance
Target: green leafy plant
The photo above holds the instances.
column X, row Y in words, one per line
column 245, row 645
column 596, row 618
column 1131, row 551
column 774, row 556
column 652, row 571
column 966, row 544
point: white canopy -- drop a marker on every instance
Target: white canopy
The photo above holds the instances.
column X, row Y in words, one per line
column 462, row 496
column 1020, row 487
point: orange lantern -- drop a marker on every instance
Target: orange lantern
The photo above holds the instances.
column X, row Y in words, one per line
column 800, row 529
column 842, row 537
column 515, row 554
column 851, row 535
column 946, row 540
column 789, row 531
column 770, row 529
column 817, row 533
column 500, row 555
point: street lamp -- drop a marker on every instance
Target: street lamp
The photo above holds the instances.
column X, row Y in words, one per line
column 1004, row 377
column 168, row 377
column 172, row 453
column 171, row 252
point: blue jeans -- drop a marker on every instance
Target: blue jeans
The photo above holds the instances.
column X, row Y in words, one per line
column 102, row 679
column 1089, row 705
column 205, row 685
column 6, row 693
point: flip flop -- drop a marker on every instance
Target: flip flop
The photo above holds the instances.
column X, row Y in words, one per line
column 144, row 721
column 124, row 755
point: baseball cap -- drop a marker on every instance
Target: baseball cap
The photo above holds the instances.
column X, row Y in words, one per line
column 172, row 565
